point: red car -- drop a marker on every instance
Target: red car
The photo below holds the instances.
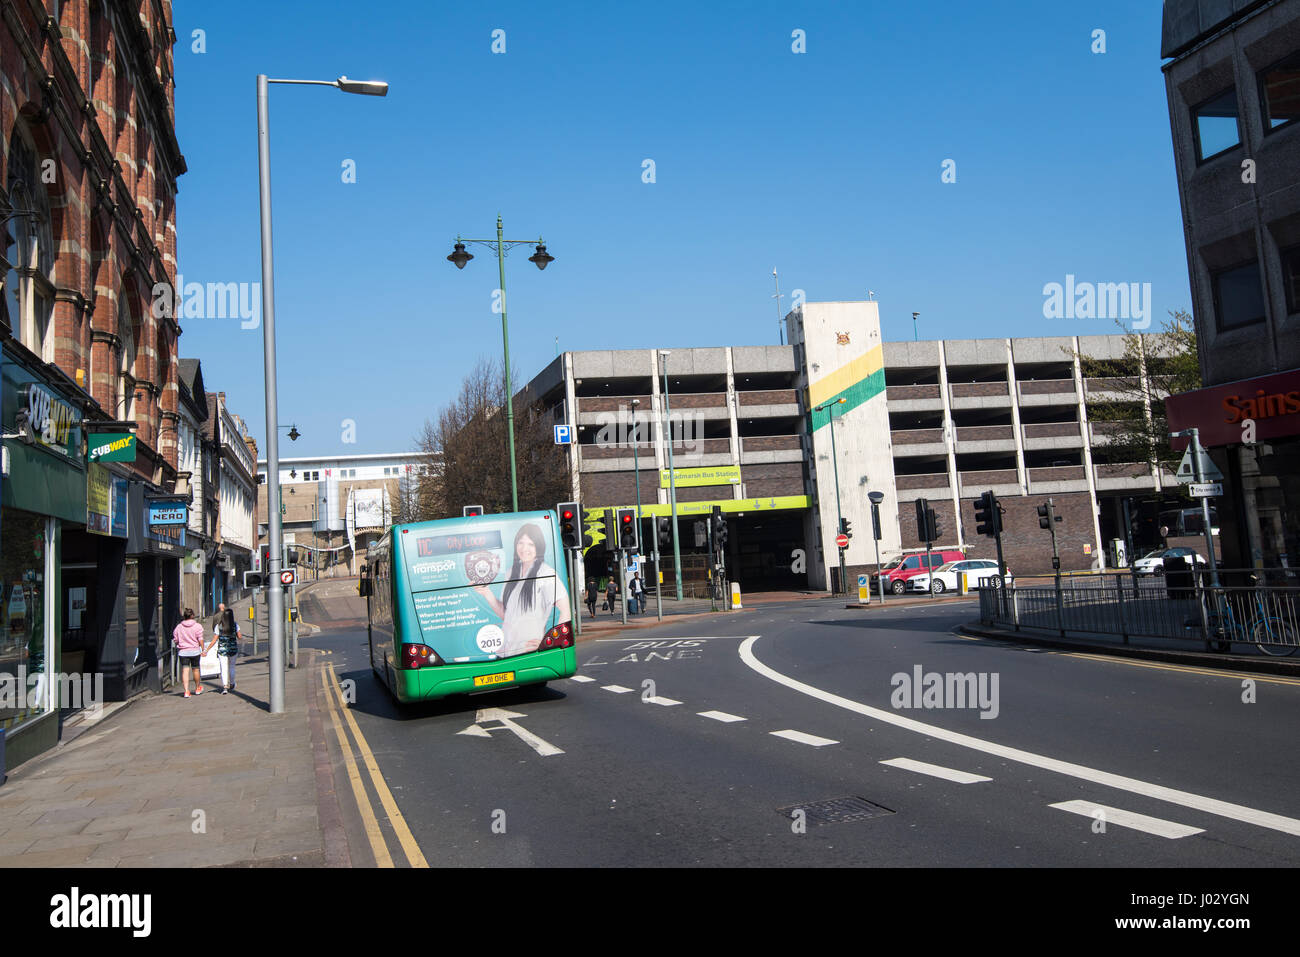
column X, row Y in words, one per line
column 897, row 572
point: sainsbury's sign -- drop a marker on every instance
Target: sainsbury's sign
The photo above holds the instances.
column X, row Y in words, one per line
column 1248, row 410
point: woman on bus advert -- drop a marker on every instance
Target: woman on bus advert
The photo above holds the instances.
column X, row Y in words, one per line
column 532, row 592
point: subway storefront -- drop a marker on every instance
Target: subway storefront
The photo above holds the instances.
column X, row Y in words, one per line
column 42, row 509
column 1252, row 429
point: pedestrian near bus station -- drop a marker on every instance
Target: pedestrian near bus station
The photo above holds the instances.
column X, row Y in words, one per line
column 226, row 634
column 188, row 636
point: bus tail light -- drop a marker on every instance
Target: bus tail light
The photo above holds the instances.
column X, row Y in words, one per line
column 419, row 656
column 561, row 636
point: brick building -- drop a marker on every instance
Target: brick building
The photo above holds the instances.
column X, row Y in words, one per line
column 89, row 163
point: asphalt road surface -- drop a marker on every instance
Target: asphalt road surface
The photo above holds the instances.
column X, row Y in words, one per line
column 791, row 735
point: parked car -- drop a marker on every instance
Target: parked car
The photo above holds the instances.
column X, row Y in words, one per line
column 897, row 573
column 980, row 572
column 1153, row 563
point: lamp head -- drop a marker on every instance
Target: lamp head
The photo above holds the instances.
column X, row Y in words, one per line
column 364, row 87
column 459, row 256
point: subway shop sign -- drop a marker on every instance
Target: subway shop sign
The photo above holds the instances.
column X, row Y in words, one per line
column 112, row 447
column 55, row 424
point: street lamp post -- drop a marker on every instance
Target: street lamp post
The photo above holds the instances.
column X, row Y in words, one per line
column 672, row 479
column 541, row 259
column 275, row 531
column 636, row 467
column 839, row 515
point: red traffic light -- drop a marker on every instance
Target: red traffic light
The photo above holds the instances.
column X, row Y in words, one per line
column 627, row 519
column 566, row 515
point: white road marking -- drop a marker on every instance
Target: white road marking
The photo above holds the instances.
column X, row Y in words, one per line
column 544, row 748
column 657, row 699
column 582, row 678
column 803, row 738
column 1237, row 812
column 948, row 774
column 617, row 689
column 1138, row 822
column 678, row 638
column 720, row 716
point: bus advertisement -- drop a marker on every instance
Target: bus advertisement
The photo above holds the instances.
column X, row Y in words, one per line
column 469, row 604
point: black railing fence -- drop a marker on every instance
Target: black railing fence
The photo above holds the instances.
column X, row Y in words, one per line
column 1253, row 608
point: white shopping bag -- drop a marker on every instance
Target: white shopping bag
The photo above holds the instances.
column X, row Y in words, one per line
column 209, row 666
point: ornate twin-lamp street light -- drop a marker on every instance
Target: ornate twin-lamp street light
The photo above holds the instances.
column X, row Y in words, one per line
column 541, row 259
column 839, row 516
column 275, row 531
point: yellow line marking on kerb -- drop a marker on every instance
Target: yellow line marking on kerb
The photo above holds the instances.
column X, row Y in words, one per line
column 373, row 834
column 404, row 836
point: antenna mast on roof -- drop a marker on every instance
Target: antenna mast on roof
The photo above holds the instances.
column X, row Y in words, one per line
column 780, row 324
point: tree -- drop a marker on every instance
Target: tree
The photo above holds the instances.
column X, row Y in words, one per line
column 470, row 439
column 1153, row 366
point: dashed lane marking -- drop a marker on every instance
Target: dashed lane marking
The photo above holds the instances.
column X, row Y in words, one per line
column 803, row 738
column 935, row 771
column 1236, row 812
column 1138, row 822
column 666, row 702
column 721, row 716
column 617, row 689
column 581, row 678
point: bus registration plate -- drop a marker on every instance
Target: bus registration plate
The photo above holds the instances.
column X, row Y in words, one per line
column 502, row 678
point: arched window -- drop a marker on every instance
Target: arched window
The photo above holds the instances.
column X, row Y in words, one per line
column 28, row 252
column 127, row 327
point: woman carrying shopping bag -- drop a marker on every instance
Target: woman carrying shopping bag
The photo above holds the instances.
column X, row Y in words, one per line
column 227, row 638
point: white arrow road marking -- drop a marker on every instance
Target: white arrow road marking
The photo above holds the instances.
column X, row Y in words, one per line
column 948, row 774
column 720, row 716
column 1237, row 812
column 1138, row 822
column 617, row 689
column 803, row 738
column 544, row 748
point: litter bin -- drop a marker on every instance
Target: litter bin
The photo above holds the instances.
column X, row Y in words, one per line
column 1178, row 577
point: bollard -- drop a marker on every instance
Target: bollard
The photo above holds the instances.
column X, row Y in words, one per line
column 735, row 596
column 963, row 584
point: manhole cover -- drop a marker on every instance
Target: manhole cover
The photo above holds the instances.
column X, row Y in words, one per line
column 836, row 811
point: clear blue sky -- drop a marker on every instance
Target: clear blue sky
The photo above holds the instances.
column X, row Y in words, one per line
column 825, row 165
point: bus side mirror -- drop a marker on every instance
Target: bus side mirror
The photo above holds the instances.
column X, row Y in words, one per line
column 363, row 588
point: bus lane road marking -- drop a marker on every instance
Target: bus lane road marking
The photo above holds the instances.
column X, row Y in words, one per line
column 506, row 719
column 1236, row 812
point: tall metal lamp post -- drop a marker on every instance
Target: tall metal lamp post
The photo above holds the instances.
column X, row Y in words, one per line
column 541, row 259
column 275, row 530
column 839, row 515
column 672, row 479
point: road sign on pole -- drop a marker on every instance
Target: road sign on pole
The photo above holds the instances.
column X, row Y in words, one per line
column 1187, row 469
column 1205, row 489
column 287, row 577
column 564, row 435
column 842, row 540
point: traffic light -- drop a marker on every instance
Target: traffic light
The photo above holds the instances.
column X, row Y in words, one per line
column 1047, row 515
column 627, row 530
column 665, row 529
column 988, row 517
column 470, row 510
column 922, row 520
column 719, row 521
column 846, row 527
column 254, row 579
column 932, row 525
column 293, row 556
column 570, row 533
column 611, row 534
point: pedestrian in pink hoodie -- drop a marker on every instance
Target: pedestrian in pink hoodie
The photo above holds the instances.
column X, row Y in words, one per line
column 189, row 645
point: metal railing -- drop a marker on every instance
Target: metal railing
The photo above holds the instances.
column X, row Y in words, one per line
column 1256, row 609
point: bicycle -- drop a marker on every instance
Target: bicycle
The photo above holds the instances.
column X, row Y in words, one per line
column 1273, row 634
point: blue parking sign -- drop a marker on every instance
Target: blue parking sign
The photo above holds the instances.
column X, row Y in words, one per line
column 564, row 435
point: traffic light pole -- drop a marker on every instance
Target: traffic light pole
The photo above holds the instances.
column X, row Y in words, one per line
column 713, row 601
column 573, row 591
column 622, row 580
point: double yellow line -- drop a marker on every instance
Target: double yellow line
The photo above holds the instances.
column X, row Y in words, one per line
column 335, row 706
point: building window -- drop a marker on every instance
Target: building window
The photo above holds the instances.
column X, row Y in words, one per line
column 1214, row 123
column 1291, row 278
column 1279, row 92
column 27, row 253
column 1238, row 296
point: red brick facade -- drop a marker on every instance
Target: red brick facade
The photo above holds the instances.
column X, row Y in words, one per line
column 89, row 100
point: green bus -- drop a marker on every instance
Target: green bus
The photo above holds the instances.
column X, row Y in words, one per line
column 463, row 605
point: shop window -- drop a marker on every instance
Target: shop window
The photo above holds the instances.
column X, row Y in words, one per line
column 1214, row 124
column 1238, row 296
column 24, row 630
column 1279, row 92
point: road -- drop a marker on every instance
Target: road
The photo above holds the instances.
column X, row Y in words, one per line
column 718, row 742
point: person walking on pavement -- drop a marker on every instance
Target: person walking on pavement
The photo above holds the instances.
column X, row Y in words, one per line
column 611, row 593
column 226, row 635
column 188, row 636
column 637, row 587
column 592, row 594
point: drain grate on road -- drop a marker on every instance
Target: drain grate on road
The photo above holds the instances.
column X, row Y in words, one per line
column 843, row 810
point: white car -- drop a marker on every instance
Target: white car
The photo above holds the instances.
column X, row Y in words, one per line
column 978, row 572
column 1153, row 563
